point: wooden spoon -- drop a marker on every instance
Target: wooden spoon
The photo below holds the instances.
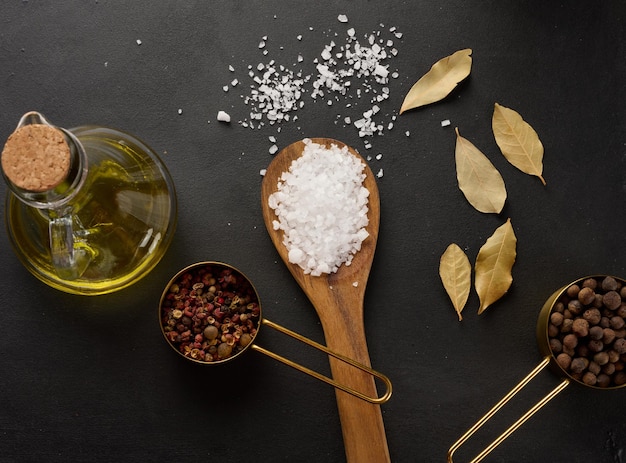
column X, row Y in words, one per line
column 338, row 301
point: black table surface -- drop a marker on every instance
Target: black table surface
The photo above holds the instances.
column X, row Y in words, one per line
column 91, row 378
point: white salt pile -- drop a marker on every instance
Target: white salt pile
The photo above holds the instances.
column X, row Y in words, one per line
column 321, row 206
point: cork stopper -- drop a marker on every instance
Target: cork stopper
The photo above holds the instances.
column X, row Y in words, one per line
column 36, row 157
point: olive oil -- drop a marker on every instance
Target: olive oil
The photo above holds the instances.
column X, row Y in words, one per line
column 122, row 218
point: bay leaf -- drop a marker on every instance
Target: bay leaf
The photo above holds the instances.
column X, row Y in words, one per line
column 479, row 180
column 492, row 278
column 455, row 273
column 437, row 83
column 518, row 141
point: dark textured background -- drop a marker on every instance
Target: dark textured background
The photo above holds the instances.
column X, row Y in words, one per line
column 91, row 379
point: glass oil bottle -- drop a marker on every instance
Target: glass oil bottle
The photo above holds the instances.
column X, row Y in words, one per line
column 89, row 210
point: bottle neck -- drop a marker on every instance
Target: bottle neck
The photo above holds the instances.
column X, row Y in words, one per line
column 74, row 170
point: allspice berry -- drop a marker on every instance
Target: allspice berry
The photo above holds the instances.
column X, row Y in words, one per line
column 564, row 361
column 586, row 295
column 579, row 364
column 580, row 327
column 609, row 284
column 612, row 300
column 224, row 350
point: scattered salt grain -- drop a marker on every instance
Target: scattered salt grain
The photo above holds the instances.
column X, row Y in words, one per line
column 180, row 111
column 222, row 116
column 139, row 42
column 445, row 123
column 321, row 206
column 355, row 284
column 380, row 173
column 262, row 172
column 342, row 18
column 273, row 149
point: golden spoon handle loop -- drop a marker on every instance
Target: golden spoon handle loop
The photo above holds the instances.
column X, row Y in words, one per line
column 375, row 400
column 534, row 409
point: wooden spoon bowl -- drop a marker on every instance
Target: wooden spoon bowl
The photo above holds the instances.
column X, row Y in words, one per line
column 338, row 301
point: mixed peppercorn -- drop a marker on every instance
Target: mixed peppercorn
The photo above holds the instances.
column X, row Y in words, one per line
column 210, row 312
column 587, row 331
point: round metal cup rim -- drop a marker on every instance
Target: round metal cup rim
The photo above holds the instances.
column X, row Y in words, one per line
column 195, row 266
column 542, row 330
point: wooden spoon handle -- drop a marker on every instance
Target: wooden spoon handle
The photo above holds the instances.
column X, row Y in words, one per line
column 361, row 422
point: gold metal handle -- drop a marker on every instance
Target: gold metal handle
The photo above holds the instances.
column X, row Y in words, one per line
column 375, row 400
column 534, row 409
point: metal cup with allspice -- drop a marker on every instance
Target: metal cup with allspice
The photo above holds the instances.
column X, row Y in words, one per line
column 587, row 331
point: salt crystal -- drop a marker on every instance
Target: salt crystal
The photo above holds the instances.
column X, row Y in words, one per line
column 273, row 149
column 231, row 68
column 380, row 173
column 139, row 42
column 299, row 37
column 407, row 133
column 342, row 18
column 272, row 138
column 445, row 123
column 355, row 283
column 262, row 172
column 234, row 82
column 223, row 116
column 180, row 111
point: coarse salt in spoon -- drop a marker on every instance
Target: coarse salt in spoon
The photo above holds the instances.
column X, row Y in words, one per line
column 338, row 300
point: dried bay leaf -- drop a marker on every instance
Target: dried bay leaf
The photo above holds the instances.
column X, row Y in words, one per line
column 518, row 141
column 455, row 273
column 479, row 180
column 437, row 83
column 494, row 262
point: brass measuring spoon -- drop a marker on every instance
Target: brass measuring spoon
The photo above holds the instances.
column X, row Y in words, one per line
column 244, row 288
column 549, row 358
column 338, row 301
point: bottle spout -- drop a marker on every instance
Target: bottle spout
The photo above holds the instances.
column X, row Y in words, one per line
column 32, row 117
